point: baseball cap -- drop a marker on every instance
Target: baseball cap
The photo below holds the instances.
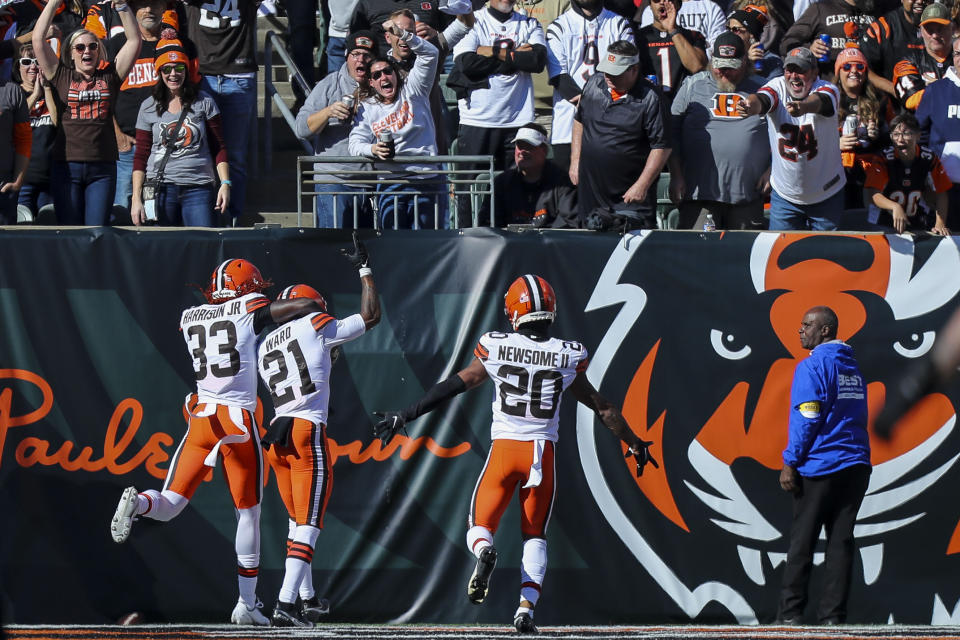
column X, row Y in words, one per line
column 616, row 63
column 935, row 12
column 530, row 136
column 801, row 57
column 363, row 40
column 728, row 50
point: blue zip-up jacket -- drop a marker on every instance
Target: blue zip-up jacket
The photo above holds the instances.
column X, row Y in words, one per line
column 828, row 413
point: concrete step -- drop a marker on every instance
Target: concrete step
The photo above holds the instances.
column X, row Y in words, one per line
column 286, row 218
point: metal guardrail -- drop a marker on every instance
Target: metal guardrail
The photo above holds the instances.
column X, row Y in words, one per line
column 271, row 96
column 455, row 181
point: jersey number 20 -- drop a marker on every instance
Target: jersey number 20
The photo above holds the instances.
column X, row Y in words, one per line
column 512, row 396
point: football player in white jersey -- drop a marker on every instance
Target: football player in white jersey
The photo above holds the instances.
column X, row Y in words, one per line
column 530, row 370
column 221, row 338
column 295, row 362
column 575, row 43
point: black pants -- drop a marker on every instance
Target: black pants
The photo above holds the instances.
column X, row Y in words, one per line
column 480, row 141
column 830, row 501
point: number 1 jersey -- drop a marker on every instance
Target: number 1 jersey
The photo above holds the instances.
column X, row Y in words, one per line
column 529, row 376
column 294, row 362
column 222, row 340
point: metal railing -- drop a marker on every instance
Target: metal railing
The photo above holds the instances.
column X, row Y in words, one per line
column 457, row 180
column 271, row 96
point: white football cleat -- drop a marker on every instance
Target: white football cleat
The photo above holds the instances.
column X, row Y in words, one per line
column 242, row 614
column 123, row 517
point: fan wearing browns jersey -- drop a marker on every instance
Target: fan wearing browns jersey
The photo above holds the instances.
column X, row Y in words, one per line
column 530, row 370
column 295, row 361
column 221, row 338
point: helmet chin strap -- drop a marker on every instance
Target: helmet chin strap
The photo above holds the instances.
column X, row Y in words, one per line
column 536, row 330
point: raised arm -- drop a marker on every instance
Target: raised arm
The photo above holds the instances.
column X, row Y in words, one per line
column 369, row 300
column 46, row 57
column 424, row 69
column 131, row 48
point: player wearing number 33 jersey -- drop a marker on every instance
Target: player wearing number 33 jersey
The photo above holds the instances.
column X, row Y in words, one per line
column 530, row 371
column 221, row 340
column 295, row 363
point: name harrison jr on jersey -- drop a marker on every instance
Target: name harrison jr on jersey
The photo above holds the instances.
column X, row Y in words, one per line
column 199, row 314
column 534, row 357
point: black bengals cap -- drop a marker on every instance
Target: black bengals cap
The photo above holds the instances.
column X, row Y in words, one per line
column 363, row 40
column 728, row 51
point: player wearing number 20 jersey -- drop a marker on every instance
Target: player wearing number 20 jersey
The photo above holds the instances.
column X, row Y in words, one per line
column 530, row 371
column 221, row 339
column 529, row 377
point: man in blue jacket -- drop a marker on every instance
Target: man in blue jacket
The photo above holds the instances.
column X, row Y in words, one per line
column 826, row 466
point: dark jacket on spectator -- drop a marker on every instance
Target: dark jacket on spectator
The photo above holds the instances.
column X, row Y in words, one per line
column 548, row 203
column 829, row 17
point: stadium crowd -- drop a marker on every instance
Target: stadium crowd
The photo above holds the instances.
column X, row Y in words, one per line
column 829, row 115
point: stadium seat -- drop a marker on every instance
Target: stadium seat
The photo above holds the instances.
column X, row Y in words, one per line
column 668, row 216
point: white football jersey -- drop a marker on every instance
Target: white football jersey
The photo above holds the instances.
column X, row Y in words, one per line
column 509, row 100
column 294, row 362
column 223, row 344
column 575, row 46
column 528, row 378
column 805, row 151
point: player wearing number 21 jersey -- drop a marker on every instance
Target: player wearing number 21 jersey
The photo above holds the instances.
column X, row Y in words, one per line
column 295, row 363
column 530, row 371
column 221, row 339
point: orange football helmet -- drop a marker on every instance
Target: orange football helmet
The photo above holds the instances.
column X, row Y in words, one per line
column 529, row 298
column 234, row 278
column 302, row 291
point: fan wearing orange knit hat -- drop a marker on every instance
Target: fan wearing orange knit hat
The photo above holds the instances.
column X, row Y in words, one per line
column 850, row 56
column 173, row 52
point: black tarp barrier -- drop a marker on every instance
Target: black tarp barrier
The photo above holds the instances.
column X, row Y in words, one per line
column 695, row 335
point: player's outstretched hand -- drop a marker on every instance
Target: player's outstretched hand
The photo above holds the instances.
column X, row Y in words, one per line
column 390, row 423
column 641, row 453
column 359, row 257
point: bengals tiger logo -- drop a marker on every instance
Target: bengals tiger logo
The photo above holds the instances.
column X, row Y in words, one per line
column 725, row 106
column 704, row 371
column 186, row 137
